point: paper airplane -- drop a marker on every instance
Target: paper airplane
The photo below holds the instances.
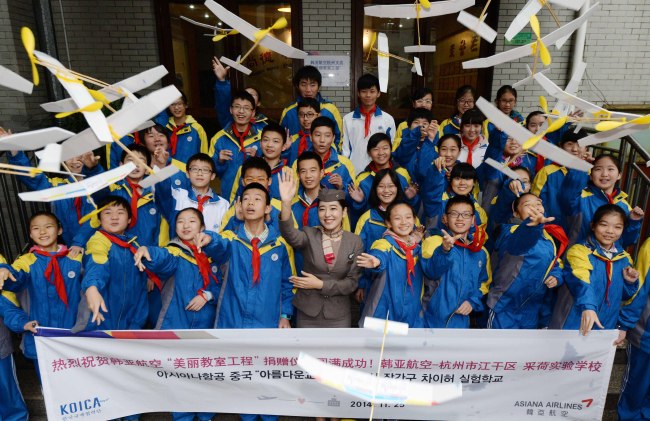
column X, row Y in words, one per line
column 14, row 81
column 503, row 168
column 410, row 11
column 217, row 32
column 159, row 175
column 33, row 140
column 616, row 130
column 258, row 36
column 115, row 91
column 527, row 50
column 50, row 160
column 123, row 122
column 378, row 390
column 529, row 77
column 531, row 9
column 561, row 107
column 477, row 25
column 383, row 56
column 531, row 141
column 80, row 188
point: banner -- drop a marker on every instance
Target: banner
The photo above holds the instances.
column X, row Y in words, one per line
column 505, row 374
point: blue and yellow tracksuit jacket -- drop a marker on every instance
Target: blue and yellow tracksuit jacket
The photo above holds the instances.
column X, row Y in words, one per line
column 390, row 295
column 414, row 154
column 523, row 259
column 336, row 164
column 452, row 126
column 114, row 152
column 192, row 138
column 289, row 118
column 291, row 154
column 177, row 266
column 635, row 315
column 547, row 185
column 222, row 100
column 480, row 216
column 227, row 171
column 45, row 306
column 274, row 188
column 74, row 234
column 580, row 205
column 243, row 304
column 230, row 221
column 586, row 281
column 452, row 278
column 12, row 404
column 110, row 268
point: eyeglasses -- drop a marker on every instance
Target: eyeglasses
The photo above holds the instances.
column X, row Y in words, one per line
column 461, row 215
column 423, row 101
column 242, row 108
column 306, row 115
column 200, row 171
column 465, row 101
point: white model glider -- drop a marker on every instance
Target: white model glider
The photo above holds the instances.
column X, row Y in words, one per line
column 80, row 188
column 530, row 49
column 532, row 8
column 529, row 78
column 33, row 140
column 531, row 141
column 503, row 168
column 615, row 130
column 217, row 32
column 562, row 108
column 115, row 91
column 13, row 80
column 437, row 8
column 477, row 25
column 383, row 62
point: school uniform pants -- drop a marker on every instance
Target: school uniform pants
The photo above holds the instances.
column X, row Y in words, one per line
column 634, row 402
column 12, row 404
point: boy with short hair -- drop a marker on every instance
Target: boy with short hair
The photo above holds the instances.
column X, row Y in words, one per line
column 416, row 148
column 307, row 82
column 308, row 110
column 192, row 190
column 187, row 136
column 366, row 120
column 457, row 267
column 233, row 145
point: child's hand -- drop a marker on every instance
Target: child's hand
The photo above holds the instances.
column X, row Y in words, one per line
column 239, row 212
column 139, row 254
column 356, row 193
column 365, row 260
column 31, row 326
column 432, row 129
column 589, row 317
column 95, row 304
column 75, row 251
column 4, row 275
column 551, row 282
column 358, row 295
column 630, row 275
column 90, row 160
column 219, row 71
column 464, row 309
column 196, row 303
column 288, row 143
column 418, row 233
column 516, row 187
column 621, row 338
column 284, row 323
column 538, row 218
column 439, row 162
column 252, row 151
column 288, row 185
column 336, row 180
column 160, row 157
column 448, row 241
column 201, row 240
column 636, row 214
column 411, row 190
column 225, row 155
column 4, row 133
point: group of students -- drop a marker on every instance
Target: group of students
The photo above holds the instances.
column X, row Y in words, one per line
column 318, row 211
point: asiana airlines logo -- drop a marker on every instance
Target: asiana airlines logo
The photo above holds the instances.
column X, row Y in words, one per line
column 81, row 406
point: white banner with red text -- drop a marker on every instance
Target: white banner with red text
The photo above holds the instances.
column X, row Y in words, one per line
column 505, row 374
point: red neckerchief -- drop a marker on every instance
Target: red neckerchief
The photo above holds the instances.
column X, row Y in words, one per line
column 608, row 270
column 410, row 261
column 256, row 260
column 514, row 162
column 470, row 146
column 279, row 167
column 203, row 263
column 368, row 115
column 174, row 137
column 557, row 232
column 53, row 270
column 201, row 199
column 136, row 138
column 241, row 136
column 326, row 159
column 611, row 197
column 77, row 206
column 135, row 196
column 303, row 144
column 477, row 242
column 540, row 163
column 373, row 167
column 121, row 243
column 305, row 213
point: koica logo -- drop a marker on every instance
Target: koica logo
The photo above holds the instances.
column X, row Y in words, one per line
column 80, row 406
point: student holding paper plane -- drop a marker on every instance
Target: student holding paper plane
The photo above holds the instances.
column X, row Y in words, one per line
column 187, row 136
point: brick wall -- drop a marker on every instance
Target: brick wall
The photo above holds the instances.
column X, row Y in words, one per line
column 331, row 36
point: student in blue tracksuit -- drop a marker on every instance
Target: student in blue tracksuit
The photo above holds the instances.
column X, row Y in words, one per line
column 464, row 100
column 457, row 267
column 634, row 402
column 12, row 404
column 421, row 100
column 397, row 289
column 501, row 209
column 68, row 211
column 598, row 276
column 115, row 290
column 506, row 101
column 525, row 264
column 114, row 151
column 192, row 190
column 186, row 136
column 52, row 279
column 223, row 97
column 308, row 111
column 463, row 181
column 379, row 149
column 307, row 81
column 256, row 292
column 234, row 144
column 579, row 201
column 191, row 284
column 417, row 145
column 386, row 188
column 305, row 205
